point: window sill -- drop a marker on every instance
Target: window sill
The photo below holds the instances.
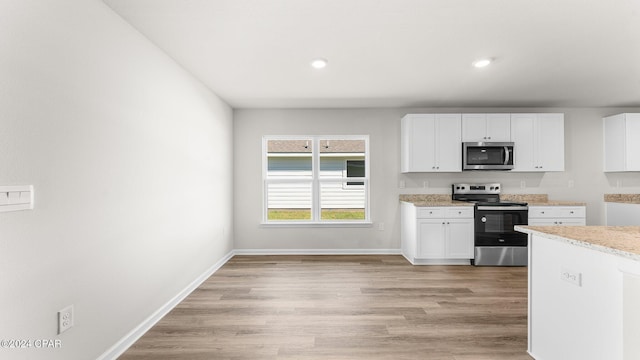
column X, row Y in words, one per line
column 302, row 224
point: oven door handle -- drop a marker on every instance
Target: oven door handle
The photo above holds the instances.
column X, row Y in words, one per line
column 515, row 208
column 506, row 155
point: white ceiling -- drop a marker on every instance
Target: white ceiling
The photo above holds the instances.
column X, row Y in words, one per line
column 401, row 53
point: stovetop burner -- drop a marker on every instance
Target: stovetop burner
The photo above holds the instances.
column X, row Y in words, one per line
column 481, row 195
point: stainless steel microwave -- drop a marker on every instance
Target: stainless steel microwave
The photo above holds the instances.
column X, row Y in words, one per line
column 487, row 156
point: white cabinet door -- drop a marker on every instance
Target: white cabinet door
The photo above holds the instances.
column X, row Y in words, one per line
column 614, row 143
column 448, row 149
column 550, row 142
column 538, row 142
column 459, row 239
column 474, row 127
column 632, row 142
column 522, row 130
column 418, row 148
column 431, row 243
column 620, row 214
column 486, row 127
column 621, row 145
column 499, row 127
column 431, row 143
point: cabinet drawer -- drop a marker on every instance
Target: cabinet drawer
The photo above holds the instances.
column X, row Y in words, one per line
column 430, row 213
column 459, row 213
column 543, row 212
column 571, row 212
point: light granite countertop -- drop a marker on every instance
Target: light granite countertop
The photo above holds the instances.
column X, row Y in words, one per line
column 622, row 198
column 616, row 240
column 426, row 200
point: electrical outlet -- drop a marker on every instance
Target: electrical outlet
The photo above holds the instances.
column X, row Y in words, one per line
column 523, row 184
column 570, row 184
column 425, row 184
column 402, row 184
column 571, row 276
column 380, row 226
column 65, row 319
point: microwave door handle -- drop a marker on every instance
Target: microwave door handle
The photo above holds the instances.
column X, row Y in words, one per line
column 506, row 155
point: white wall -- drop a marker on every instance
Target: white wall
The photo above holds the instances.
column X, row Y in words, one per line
column 583, row 165
column 131, row 162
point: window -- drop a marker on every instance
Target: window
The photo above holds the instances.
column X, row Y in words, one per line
column 305, row 179
column 354, row 168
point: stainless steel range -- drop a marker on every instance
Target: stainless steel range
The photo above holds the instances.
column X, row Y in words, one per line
column 496, row 242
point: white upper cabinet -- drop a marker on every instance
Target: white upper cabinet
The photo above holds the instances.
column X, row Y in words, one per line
column 538, row 142
column 621, row 145
column 431, row 143
column 486, row 127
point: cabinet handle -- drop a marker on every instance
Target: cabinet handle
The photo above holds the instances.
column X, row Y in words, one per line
column 459, row 212
column 570, row 212
column 541, row 212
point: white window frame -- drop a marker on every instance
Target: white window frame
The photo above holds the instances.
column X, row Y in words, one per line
column 316, row 181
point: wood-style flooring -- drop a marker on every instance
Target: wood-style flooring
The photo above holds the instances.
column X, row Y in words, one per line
column 345, row 307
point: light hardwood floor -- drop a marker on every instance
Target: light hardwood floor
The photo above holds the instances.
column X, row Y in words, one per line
column 345, row 307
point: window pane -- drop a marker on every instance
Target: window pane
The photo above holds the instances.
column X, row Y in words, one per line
column 289, row 159
column 339, row 203
column 289, row 201
column 333, row 156
column 355, row 168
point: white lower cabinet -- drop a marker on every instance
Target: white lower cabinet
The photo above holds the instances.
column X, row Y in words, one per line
column 557, row 215
column 621, row 214
column 437, row 235
column 582, row 302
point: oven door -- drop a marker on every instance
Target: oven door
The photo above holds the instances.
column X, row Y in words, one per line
column 494, row 225
column 487, row 156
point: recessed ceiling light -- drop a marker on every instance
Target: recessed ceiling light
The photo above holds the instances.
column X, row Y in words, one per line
column 319, row 63
column 482, row 63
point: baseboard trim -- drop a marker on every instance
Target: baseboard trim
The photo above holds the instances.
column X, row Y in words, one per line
column 440, row 262
column 123, row 344
column 317, row 252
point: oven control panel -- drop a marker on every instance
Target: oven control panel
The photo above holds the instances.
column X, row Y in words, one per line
column 476, row 188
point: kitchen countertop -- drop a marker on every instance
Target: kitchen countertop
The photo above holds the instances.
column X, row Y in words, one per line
column 622, row 198
column 538, row 200
column 616, row 240
column 426, row 200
